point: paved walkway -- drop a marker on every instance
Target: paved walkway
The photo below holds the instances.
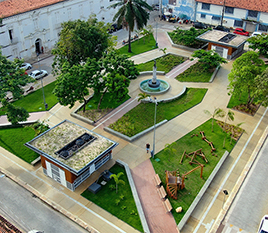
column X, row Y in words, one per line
column 134, row 154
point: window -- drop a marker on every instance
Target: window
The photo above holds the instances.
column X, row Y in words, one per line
column 203, row 16
column 10, row 34
column 205, row 6
column 263, row 27
column 253, row 14
column 214, row 17
column 229, row 10
column 238, row 23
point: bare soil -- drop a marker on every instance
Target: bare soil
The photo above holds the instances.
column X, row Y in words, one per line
column 235, row 131
column 243, row 108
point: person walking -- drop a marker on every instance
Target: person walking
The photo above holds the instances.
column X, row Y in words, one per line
column 147, row 147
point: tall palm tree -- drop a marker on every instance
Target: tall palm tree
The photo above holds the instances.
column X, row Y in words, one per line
column 131, row 12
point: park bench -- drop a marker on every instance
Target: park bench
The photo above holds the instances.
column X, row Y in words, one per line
column 167, row 205
column 157, row 180
column 162, row 192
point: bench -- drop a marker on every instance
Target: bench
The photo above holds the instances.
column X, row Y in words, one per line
column 162, row 192
column 167, row 205
column 157, row 180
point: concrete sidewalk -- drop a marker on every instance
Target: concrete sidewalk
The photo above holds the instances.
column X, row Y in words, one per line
column 134, row 154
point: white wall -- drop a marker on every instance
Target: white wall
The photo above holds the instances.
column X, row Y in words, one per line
column 44, row 24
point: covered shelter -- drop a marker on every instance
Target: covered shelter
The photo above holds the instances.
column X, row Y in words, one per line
column 71, row 153
column 226, row 44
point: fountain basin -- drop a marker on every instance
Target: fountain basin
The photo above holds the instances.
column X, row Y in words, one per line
column 150, row 89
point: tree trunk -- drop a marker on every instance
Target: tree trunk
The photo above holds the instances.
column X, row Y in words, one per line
column 84, row 107
column 129, row 41
column 101, row 99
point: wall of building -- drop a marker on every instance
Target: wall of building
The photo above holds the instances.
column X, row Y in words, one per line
column 22, row 31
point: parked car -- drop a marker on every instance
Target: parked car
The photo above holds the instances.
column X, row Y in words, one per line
column 156, row 7
column 255, row 34
column 241, row 31
column 26, row 66
column 37, row 74
column 114, row 28
column 199, row 25
column 263, row 228
column 222, row 28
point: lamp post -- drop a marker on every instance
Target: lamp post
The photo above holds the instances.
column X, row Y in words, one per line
column 45, row 104
column 222, row 14
column 156, row 44
column 155, row 109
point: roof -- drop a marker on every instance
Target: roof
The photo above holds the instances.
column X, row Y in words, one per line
column 255, row 5
column 58, row 137
column 215, row 36
column 14, row 7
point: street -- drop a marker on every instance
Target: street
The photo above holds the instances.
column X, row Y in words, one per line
column 27, row 212
column 251, row 203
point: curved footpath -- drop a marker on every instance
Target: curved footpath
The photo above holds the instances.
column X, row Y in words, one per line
column 94, row 218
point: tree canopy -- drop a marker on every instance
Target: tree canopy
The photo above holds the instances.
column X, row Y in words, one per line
column 209, row 59
column 80, row 40
column 262, row 88
column 131, row 13
column 243, row 75
column 13, row 79
column 259, row 42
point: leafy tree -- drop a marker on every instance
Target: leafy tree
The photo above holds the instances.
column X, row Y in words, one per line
column 131, row 12
column 209, row 59
column 15, row 114
column 113, row 76
column 116, row 179
column 218, row 112
column 80, row 40
column 13, row 80
column 242, row 77
column 262, row 88
column 259, row 42
column 74, row 81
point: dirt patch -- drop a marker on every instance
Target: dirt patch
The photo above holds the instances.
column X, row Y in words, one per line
column 243, row 108
column 234, row 131
column 93, row 114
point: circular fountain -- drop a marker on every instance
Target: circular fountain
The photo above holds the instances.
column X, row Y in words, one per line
column 154, row 86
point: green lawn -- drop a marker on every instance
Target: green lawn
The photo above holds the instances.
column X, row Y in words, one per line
column 107, row 102
column 165, row 63
column 141, row 45
column 170, row 160
column 34, row 101
column 142, row 116
column 195, row 73
column 13, row 139
column 126, row 209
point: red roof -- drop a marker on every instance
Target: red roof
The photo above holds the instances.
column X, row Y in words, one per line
column 14, row 7
column 255, row 5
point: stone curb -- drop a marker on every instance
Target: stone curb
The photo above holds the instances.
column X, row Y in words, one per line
column 214, row 74
column 202, row 191
column 133, row 138
column 151, row 72
column 239, row 183
column 135, row 196
column 179, row 46
column 52, row 204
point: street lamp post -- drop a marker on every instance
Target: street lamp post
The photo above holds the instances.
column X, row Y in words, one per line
column 45, row 104
column 155, row 109
column 222, row 14
column 156, row 44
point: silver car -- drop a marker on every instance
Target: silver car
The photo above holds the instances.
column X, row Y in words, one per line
column 37, row 74
column 26, row 66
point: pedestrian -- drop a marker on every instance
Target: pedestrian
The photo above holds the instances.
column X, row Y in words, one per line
column 147, row 147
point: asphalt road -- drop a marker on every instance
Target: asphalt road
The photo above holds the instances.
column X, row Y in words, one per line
column 251, row 203
column 27, row 212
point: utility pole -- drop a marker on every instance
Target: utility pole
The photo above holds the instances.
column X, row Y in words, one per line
column 222, row 15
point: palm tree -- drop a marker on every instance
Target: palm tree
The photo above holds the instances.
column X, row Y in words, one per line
column 131, row 12
column 229, row 116
column 218, row 112
column 116, row 179
column 142, row 96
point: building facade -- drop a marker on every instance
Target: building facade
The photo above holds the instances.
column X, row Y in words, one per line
column 30, row 27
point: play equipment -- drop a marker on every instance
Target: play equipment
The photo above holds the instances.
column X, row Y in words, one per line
column 175, row 182
column 210, row 143
column 193, row 157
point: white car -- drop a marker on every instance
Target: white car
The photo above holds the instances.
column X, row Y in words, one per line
column 37, row 74
column 26, row 66
column 255, row 34
column 263, row 228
